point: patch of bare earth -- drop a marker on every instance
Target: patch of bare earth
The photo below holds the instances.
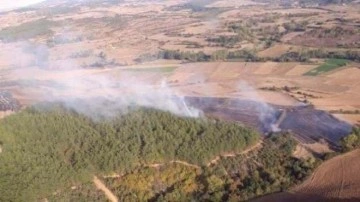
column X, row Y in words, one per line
column 3, row 114
column 275, row 51
column 318, row 148
column 301, row 152
column 101, row 186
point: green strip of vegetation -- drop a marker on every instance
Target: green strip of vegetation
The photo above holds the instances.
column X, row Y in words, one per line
column 351, row 141
column 329, row 65
column 152, row 69
column 27, row 30
column 249, row 56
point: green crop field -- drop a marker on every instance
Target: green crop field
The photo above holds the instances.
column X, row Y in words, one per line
column 329, row 65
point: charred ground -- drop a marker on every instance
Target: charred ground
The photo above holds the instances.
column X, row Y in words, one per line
column 309, row 125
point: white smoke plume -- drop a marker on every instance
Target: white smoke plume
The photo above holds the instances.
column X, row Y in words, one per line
column 267, row 114
column 93, row 92
column 106, row 96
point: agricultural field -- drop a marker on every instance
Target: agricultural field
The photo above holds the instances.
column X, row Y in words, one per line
column 326, row 183
column 180, row 100
column 329, row 65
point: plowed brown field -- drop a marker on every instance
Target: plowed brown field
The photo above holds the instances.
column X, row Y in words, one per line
column 335, row 180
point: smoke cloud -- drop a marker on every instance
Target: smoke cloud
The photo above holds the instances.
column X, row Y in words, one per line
column 267, row 114
column 98, row 92
column 108, row 92
column 97, row 95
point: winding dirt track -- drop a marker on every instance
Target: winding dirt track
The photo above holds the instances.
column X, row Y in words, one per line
column 185, row 163
column 215, row 160
column 100, row 185
column 252, row 148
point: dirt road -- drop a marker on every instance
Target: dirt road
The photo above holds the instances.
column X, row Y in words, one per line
column 252, row 148
column 214, row 160
column 100, row 185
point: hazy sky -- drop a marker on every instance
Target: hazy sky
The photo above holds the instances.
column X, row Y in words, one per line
column 8, row 4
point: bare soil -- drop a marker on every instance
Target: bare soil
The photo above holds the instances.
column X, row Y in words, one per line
column 336, row 178
column 100, row 185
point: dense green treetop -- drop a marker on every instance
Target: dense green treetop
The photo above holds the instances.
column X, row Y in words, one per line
column 50, row 149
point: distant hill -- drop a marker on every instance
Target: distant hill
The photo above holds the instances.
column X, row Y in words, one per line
column 325, row 2
column 306, row 2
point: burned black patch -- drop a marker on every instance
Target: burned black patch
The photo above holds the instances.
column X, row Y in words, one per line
column 306, row 123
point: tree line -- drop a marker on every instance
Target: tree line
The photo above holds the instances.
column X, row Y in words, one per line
column 249, row 56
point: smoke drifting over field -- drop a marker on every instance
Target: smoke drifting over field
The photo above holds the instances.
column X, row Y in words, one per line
column 102, row 95
column 107, row 92
column 96, row 93
column 267, row 114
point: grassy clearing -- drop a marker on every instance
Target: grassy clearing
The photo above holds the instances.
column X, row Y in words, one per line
column 329, row 65
column 152, row 69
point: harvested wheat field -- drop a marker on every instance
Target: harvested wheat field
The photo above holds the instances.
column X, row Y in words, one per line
column 335, row 180
column 275, row 51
